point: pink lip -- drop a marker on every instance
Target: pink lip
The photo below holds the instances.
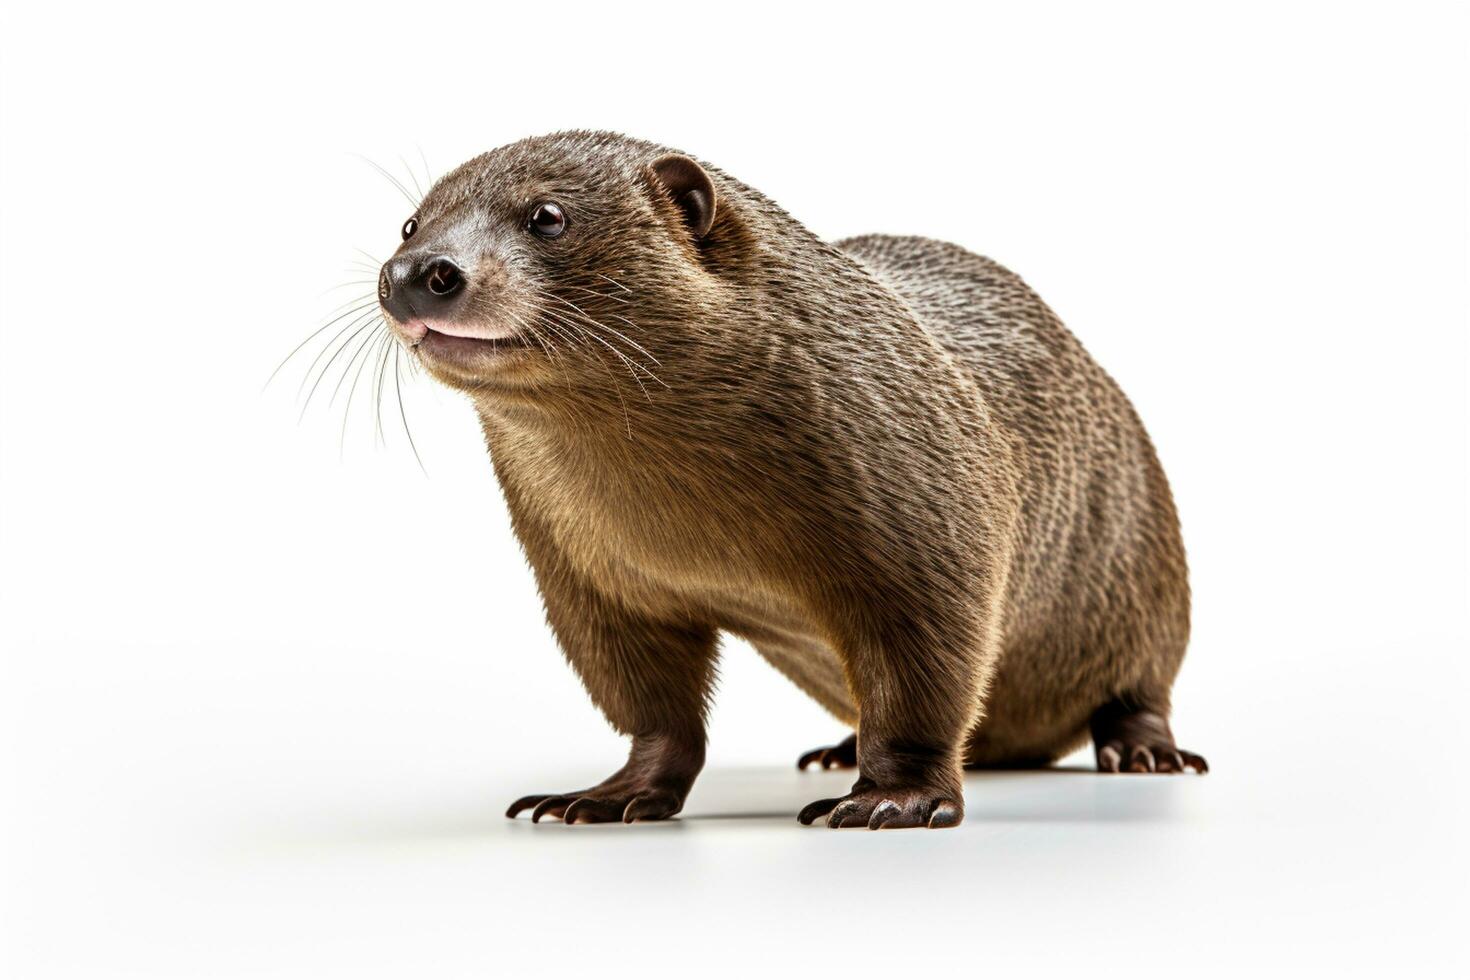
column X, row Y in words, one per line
column 417, row 329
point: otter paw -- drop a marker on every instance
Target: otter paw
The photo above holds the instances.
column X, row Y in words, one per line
column 877, row 808
column 601, row 805
column 843, row 755
column 1120, row 755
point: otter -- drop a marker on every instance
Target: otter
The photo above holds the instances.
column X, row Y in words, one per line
column 883, row 461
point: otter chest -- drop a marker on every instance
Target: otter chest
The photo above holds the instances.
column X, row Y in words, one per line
column 652, row 531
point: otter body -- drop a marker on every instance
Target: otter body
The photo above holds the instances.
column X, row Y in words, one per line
column 883, row 462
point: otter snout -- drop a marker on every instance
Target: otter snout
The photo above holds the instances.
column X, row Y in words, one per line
column 420, row 287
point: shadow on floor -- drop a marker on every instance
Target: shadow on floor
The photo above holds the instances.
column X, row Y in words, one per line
column 770, row 797
column 1057, row 794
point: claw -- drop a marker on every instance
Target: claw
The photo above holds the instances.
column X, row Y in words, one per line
column 812, row 811
column 1130, row 738
column 946, row 813
column 647, row 808
column 843, row 755
column 558, row 804
column 1140, row 759
column 1196, row 761
column 807, row 758
column 845, row 811
column 1168, row 759
column 878, row 808
column 538, row 801
column 585, row 809
column 883, row 813
column 521, row 804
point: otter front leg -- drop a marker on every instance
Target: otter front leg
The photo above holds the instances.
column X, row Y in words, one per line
column 916, row 686
column 652, row 785
column 912, row 787
column 651, row 679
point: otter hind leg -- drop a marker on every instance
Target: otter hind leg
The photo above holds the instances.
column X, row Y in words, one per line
column 843, row 755
column 1134, row 739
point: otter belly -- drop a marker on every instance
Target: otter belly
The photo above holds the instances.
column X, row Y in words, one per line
column 791, row 643
column 810, row 663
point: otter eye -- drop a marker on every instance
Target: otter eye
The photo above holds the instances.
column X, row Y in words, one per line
column 409, row 227
column 547, row 220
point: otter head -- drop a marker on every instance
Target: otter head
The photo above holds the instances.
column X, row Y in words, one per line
column 545, row 266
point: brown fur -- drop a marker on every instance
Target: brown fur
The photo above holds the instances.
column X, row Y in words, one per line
column 884, row 462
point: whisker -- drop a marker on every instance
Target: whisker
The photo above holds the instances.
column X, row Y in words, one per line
column 328, row 366
column 619, row 355
column 521, row 324
column 378, row 395
column 617, row 388
column 592, row 292
column 311, row 336
column 391, row 179
column 413, row 177
column 571, row 342
column 634, row 367
column 597, row 323
column 553, row 353
column 311, row 368
column 569, row 338
column 398, row 392
column 344, row 285
column 380, row 325
column 352, row 389
column 364, row 298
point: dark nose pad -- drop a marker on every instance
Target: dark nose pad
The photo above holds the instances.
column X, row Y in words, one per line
column 442, row 278
column 410, row 286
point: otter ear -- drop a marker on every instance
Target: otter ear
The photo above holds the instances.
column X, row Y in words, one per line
column 691, row 189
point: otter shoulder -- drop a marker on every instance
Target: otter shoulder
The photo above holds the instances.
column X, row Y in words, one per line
column 907, row 257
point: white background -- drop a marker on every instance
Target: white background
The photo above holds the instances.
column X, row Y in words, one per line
column 262, row 704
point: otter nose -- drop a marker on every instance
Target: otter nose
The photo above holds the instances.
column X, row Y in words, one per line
column 442, row 277
column 412, row 287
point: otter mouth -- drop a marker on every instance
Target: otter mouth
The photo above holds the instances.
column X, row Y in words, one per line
column 463, row 342
column 438, row 342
